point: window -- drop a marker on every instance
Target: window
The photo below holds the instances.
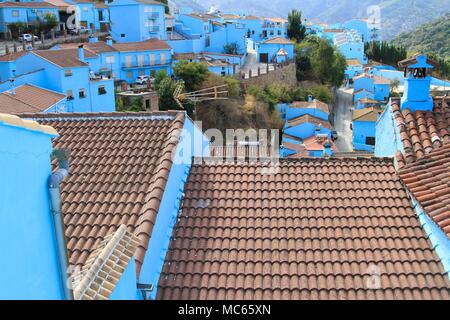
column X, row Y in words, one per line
column 370, row 141
column 141, row 72
column 129, row 75
column 81, row 93
column 68, row 73
column 101, row 90
column 279, row 32
column 110, row 59
column 163, row 58
column 69, row 95
column 140, row 60
column 15, row 13
column 128, row 61
column 152, row 58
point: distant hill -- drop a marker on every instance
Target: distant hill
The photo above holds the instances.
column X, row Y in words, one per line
column 431, row 37
column 396, row 15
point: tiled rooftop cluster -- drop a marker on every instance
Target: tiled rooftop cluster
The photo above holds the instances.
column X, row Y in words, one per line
column 119, row 168
column 422, row 131
column 310, row 229
column 428, row 179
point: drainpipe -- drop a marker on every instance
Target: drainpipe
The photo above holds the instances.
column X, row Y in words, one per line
column 54, row 183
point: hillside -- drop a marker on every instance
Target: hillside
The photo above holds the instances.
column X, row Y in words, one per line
column 396, row 15
column 431, row 37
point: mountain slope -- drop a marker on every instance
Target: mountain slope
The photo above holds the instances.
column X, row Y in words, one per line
column 431, row 37
column 396, row 15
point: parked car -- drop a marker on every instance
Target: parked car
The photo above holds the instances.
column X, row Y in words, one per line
column 334, row 135
column 80, row 30
column 144, row 79
column 27, row 37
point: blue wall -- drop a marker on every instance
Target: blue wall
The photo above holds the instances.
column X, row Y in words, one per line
column 126, row 288
column 272, row 48
column 192, row 143
column 137, row 21
column 387, row 135
column 30, row 268
column 361, row 130
column 305, row 130
column 439, row 240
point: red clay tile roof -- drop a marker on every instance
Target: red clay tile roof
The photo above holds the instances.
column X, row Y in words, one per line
column 151, row 44
column 278, row 40
column 28, row 98
column 315, row 104
column 423, row 131
column 93, row 47
column 119, row 168
column 305, row 229
column 13, row 56
column 64, row 58
column 11, row 4
column 310, row 119
column 428, row 179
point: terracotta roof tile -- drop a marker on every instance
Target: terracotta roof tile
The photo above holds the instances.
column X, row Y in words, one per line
column 64, row 58
column 428, row 179
column 278, row 40
column 306, row 118
column 315, row 104
column 313, row 229
column 423, row 131
column 119, row 168
column 151, row 44
column 28, row 98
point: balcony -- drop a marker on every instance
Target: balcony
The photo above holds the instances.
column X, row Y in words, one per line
column 144, row 65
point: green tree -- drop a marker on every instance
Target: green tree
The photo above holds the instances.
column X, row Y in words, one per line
column 50, row 21
column 296, row 30
column 192, row 73
column 165, row 90
column 160, row 76
column 231, row 48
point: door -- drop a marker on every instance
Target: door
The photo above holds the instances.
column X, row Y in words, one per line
column 264, row 57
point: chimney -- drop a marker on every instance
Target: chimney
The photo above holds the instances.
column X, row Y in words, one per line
column 81, row 52
column 310, row 98
column 93, row 39
column 109, row 41
column 416, row 94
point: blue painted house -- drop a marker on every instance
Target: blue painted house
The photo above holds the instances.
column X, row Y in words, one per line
column 64, row 71
column 363, row 126
column 307, row 130
column 378, row 86
column 137, row 20
column 142, row 58
column 25, row 12
column 30, row 267
column 252, row 24
column 275, row 50
column 274, row 28
column 350, row 44
column 93, row 15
